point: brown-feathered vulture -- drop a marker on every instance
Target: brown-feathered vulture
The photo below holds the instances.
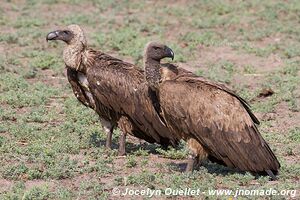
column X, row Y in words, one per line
column 110, row 87
column 220, row 120
column 118, row 92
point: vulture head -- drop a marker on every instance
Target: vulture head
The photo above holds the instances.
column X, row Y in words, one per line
column 75, row 40
column 153, row 53
column 157, row 51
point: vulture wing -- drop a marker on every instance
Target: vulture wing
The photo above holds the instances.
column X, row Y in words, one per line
column 121, row 87
column 180, row 72
column 219, row 119
column 77, row 88
column 82, row 92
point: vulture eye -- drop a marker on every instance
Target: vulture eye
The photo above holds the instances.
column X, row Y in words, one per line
column 156, row 48
column 66, row 32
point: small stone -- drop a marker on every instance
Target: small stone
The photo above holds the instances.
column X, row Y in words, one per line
column 265, row 92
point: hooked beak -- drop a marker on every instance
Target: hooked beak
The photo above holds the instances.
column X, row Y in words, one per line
column 64, row 35
column 170, row 53
column 52, row 35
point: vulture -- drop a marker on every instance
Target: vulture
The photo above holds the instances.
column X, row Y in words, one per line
column 116, row 90
column 214, row 115
column 80, row 86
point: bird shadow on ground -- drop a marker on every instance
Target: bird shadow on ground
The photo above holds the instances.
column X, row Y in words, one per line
column 96, row 141
column 215, row 168
column 210, row 167
column 180, row 167
column 150, row 148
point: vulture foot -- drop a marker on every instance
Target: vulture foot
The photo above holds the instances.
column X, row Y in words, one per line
column 193, row 162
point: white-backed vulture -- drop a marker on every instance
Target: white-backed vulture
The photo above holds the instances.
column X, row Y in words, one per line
column 110, row 87
column 210, row 112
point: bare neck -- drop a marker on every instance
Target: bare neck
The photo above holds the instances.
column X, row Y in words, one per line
column 152, row 72
column 72, row 56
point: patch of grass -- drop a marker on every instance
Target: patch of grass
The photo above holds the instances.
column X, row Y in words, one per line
column 103, row 167
column 16, row 192
column 78, row 19
column 15, row 172
column 27, row 96
column 131, row 161
column 292, row 51
column 28, row 23
column 221, row 72
column 144, row 178
column 38, row 193
column 64, row 194
column 260, row 51
column 61, row 168
column 46, row 61
column 290, row 171
column 9, row 38
column 92, row 190
column 2, row 139
column 141, row 152
column 248, row 69
column 294, row 135
column 284, row 82
column 194, row 39
column 125, row 41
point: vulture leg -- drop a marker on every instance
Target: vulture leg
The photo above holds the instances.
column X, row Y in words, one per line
column 197, row 154
column 192, row 162
column 108, row 143
column 125, row 127
column 122, row 144
column 108, row 129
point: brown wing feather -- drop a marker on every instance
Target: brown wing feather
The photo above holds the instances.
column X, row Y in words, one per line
column 180, row 72
column 76, row 87
column 120, row 86
column 79, row 91
column 219, row 119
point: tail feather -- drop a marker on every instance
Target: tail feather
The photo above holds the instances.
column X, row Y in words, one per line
column 272, row 175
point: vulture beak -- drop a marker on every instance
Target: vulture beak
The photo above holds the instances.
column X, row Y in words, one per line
column 52, row 35
column 64, row 35
column 170, row 53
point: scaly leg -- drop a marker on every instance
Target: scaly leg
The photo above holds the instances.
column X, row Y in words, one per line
column 108, row 143
column 193, row 160
column 125, row 126
column 196, row 156
column 108, row 129
column 122, row 144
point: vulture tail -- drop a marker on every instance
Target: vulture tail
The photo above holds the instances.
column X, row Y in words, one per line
column 271, row 174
